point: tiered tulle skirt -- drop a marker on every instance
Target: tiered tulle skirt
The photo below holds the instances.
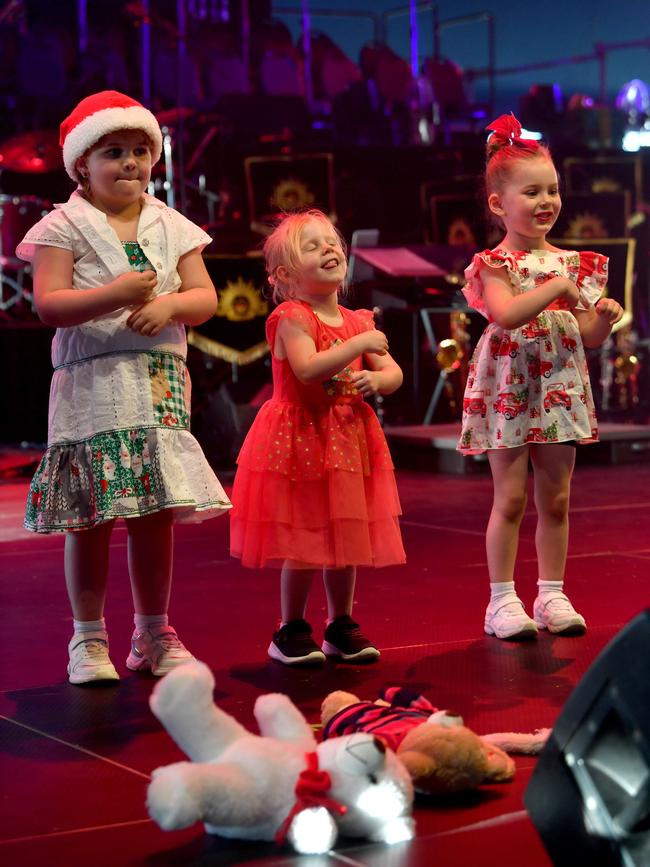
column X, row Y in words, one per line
column 316, row 485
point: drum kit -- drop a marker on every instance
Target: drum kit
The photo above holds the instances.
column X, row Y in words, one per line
column 30, row 153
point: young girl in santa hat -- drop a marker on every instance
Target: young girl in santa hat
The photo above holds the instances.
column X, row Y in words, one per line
column 120, row 275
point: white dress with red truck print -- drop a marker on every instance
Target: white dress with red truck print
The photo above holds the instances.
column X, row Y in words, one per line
column 531, row 384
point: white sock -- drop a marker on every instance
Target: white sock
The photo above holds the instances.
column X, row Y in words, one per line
column 80, row 626
column 547, row 588
column 152, row 622
column 503, row 592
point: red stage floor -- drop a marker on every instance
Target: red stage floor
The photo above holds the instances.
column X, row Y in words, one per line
column 76, row 762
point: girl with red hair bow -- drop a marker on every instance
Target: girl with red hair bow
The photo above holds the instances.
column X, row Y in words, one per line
column 528, row 396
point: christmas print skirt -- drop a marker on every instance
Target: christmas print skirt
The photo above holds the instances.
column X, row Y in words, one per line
column 119, row 445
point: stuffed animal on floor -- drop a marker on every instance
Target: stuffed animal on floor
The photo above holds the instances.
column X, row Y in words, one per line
column 440, row 753
column 274, row 786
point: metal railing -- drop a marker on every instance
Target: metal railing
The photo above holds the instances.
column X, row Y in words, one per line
column 599, row 55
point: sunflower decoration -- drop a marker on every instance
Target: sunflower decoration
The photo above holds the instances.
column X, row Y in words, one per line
column 241, row 301
column 291, row 194
column 460, row 233
column 605, row 184
column 586, row 226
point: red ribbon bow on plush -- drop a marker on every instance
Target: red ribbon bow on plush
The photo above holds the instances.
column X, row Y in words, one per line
column 310, row 790
column 506, row 127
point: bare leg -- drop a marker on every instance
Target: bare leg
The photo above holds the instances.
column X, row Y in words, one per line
column 292, row 642
column 295, row 583
column 343, row 637
column 339, row 589
column 510, row 477
column 553, row 468
column 150, row 552
column 86, row 570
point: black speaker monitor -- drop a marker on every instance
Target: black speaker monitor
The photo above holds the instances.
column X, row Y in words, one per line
column 589, row 796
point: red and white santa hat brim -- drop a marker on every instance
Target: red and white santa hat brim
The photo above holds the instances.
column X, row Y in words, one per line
column 100, row 114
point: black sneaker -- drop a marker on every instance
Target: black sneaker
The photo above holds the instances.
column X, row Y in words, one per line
column 293, row 645
column 344, row 638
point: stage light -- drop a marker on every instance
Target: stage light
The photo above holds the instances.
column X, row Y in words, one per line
column 635, row 139
column 527, row 133
column 589, row 796
column 634, row 98
column 580, row 100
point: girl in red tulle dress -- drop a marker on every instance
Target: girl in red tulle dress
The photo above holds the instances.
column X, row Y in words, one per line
column 315, row 487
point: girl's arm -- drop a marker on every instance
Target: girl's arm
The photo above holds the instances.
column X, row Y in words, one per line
column 510, row 310
column 596, row 323
column 384, row 376
column 311, row 366
column 61, row 306
column 194, row 303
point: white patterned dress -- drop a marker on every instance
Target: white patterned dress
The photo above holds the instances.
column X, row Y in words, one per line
column 119, row 443
column 531, row 384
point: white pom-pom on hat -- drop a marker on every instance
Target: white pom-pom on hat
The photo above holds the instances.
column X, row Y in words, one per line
column 102, row 113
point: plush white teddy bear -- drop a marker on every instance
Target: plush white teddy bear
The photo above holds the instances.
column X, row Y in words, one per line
column 280, row 785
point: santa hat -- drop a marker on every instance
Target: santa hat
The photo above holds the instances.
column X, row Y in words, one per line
column 99, row 114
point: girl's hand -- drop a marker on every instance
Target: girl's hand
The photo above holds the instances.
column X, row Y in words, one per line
column 366, row 382
column 151, row 318
column 570, row 295
column 609, row 310
column 374, row 341
column 135, row 287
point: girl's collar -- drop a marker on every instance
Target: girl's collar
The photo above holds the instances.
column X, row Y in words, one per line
column 318, row 316
column 78, row 200
column 533, row 251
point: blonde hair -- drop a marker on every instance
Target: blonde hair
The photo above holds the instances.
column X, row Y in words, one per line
column 282, row 247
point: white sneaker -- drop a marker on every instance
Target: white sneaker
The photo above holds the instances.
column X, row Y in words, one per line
column 554, row 612
column 160, row 652
column 507, row 619
column 89, row 660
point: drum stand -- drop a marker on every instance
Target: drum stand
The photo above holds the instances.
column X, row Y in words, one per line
column 169, row 183
column 16, row 286
column 426, row 314
column 12, row 270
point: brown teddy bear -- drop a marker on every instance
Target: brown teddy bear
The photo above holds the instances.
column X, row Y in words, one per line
column 440, row 753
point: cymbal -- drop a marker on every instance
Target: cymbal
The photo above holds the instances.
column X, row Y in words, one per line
column 174, row 116
column 32, row 152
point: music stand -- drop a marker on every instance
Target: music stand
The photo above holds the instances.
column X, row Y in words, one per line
column 402, row 262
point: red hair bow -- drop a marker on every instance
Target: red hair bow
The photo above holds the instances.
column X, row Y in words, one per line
column 506, row 127
column 311, row 791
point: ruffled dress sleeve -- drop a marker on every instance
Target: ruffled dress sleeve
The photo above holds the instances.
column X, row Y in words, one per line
column 53, row 230
column 364, row 319
column 295, row 312
column 189, row 235
column 473, row 288
column 592, row 276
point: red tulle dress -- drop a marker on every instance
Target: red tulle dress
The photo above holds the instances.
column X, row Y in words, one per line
column 315, row 480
